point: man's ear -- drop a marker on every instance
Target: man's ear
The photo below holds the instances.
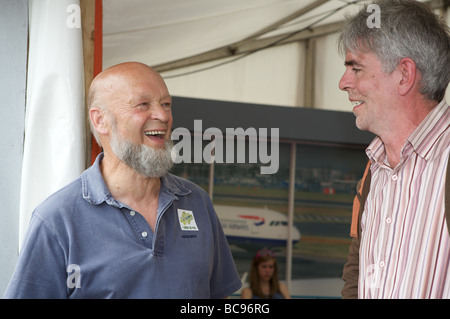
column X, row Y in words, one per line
column 408, row 75
column 98, row 120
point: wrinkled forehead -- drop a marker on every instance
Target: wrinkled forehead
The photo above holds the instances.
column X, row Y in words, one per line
column 126, row 82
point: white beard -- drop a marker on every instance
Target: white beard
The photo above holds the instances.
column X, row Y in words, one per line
column 144, row 159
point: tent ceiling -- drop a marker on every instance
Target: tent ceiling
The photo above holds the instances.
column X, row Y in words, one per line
column 176, row 33
column 159, row 32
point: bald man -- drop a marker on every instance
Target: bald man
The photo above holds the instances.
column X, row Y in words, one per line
column 126, row 228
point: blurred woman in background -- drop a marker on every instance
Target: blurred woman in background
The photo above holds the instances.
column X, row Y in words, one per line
column 263, row 278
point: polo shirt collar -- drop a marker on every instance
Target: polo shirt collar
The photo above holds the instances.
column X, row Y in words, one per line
column 95, row 191
column 172, row 185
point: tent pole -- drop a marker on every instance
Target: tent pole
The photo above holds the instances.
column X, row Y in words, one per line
column 92, row 20
column 291, row 200
column 309, row 80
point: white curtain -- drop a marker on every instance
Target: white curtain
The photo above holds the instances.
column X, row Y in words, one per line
column 54, row 145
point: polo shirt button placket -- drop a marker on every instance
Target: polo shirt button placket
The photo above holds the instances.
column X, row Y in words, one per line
column 143, row 234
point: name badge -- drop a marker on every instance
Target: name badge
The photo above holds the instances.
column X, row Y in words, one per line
column 187, row 220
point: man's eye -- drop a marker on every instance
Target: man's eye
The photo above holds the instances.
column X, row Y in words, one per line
column 356, row 70
column 143, row 105
column 166, row 106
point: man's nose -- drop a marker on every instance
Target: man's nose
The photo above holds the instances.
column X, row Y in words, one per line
column 345, row 81
column 158, row 112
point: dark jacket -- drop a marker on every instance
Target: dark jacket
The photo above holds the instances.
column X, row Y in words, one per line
column 351, row 269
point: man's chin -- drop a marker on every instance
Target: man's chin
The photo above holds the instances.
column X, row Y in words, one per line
column 147, row 161
column 361, row 125
column 157, row 145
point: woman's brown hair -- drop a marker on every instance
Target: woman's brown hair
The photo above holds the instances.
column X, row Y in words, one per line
column 263, row 256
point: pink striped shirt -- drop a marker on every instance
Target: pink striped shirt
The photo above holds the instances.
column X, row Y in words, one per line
column 405, row 244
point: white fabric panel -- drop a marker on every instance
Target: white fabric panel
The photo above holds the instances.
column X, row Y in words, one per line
column 54, row 149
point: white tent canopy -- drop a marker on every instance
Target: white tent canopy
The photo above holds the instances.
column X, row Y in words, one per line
column 157, row 32
column 280, row 52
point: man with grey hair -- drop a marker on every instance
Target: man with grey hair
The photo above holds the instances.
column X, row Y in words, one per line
column 396, row 76
column 126, row 228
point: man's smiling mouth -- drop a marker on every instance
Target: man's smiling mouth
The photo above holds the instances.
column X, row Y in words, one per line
column 156, row 134
column 357, row 103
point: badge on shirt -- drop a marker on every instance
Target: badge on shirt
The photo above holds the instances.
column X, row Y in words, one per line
column 187, row 220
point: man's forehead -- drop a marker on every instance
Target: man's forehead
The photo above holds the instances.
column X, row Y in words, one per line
column 358, row 58
column 140, row 84
column 352, row 58
column 128, row 73
column 143, row 94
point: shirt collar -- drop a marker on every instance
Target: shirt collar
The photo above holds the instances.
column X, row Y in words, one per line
column 95, row 191
column 422, row 138
column 434, row 125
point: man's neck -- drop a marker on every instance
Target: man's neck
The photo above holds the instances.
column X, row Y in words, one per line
column 394, row 139
column 126, row 185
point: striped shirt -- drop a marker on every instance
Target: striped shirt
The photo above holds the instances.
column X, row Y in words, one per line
column 405, row 243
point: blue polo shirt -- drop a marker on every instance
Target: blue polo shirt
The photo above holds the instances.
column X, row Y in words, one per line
column 82, row 243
